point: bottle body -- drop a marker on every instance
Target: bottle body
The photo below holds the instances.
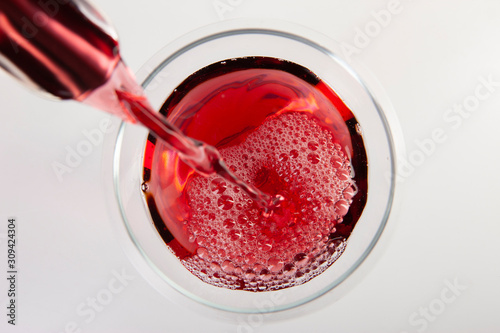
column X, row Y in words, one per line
column 63, row 47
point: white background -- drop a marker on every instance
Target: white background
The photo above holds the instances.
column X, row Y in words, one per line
column 431, row 56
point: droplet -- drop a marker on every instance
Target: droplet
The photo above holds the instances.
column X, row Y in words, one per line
column 294, row 153
column 275, row 265
column 336, row 162
column 243, row 219
column 202, row 253
column 341, row 207
column 301, row 259
column 348, row 193
column 283, row 157
column 218, row 186
column 265, row 246
column 359, row 130
column 225, row 202
column 343, row 174
column 239, row 260
column 234, row 235
column 144, row 187
column 265, row 275
column 289, row 269
column 201, row 240
column 312, row 145
column 215, row 267
column 250, row 259
column 258, row 267
column 317, row 238
column 227, row 266
column 250, row 238
column 313, row 158
column 229, row 223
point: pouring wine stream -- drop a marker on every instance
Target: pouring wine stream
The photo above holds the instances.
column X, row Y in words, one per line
column 203, row 158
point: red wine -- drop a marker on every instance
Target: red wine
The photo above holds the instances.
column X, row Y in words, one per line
column 281, row 129
column 63, row 47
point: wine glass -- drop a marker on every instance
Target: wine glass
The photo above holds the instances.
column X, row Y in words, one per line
column 162, row 74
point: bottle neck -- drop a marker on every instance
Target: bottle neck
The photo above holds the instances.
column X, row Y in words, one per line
column 105, row 97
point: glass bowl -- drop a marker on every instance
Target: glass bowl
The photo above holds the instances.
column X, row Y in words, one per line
column 164, row 72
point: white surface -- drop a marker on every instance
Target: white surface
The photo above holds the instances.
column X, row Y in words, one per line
column 429, row 57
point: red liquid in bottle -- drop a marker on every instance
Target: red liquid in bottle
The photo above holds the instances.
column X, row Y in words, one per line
column 281, row 129
column 56, row 47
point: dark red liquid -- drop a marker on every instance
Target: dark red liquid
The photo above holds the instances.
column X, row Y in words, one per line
column 281, row 129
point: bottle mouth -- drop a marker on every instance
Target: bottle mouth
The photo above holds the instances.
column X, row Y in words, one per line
column 107, row 97
column 164, row 72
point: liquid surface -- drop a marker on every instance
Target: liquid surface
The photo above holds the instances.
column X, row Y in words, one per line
column 281, row 129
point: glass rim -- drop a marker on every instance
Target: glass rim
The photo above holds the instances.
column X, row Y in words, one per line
column 227, row 29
